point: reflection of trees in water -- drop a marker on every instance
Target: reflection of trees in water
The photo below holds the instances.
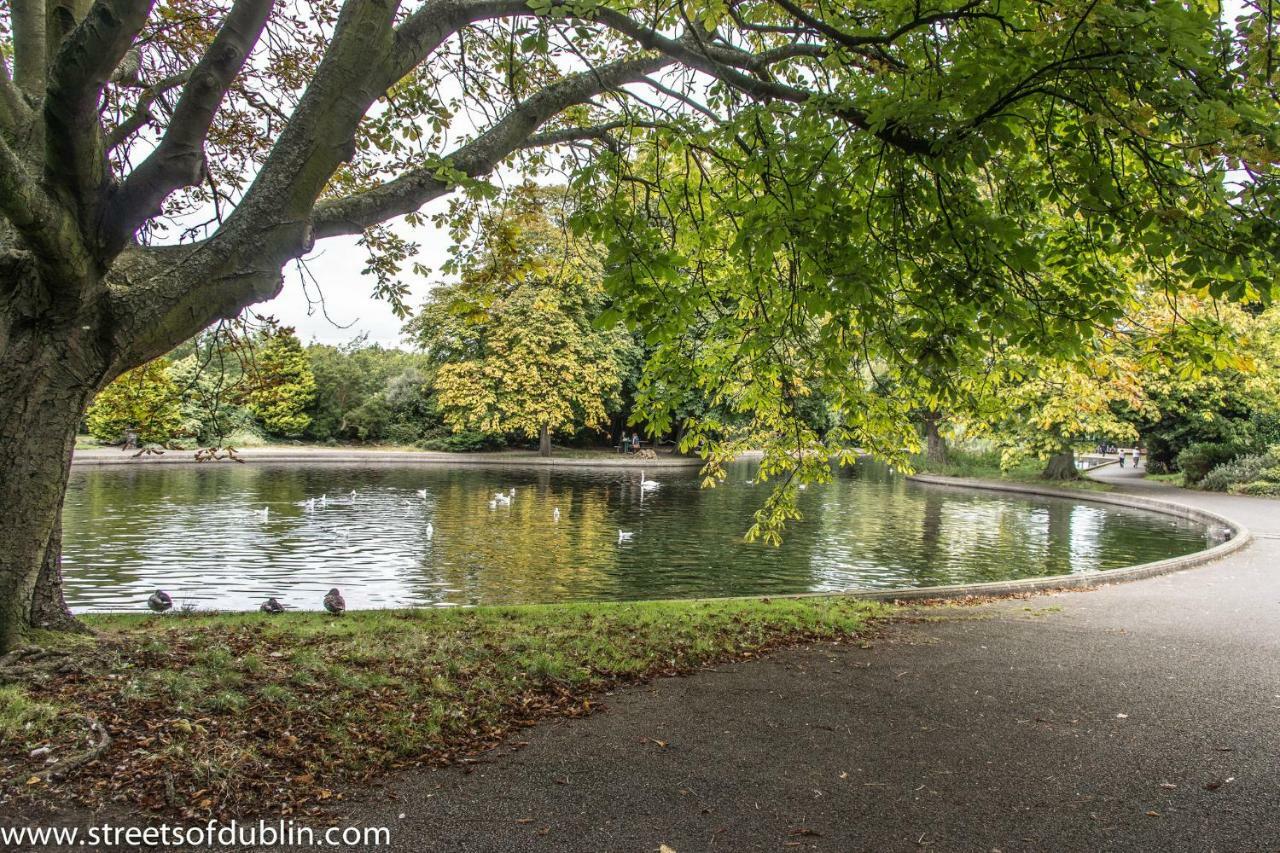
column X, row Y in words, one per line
column 192, row 527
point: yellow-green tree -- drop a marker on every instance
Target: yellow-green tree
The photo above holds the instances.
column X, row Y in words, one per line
column 515, row 340
column 282, row 385
column 145, row 400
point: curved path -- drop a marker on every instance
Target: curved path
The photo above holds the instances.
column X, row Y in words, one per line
column 1142, row 716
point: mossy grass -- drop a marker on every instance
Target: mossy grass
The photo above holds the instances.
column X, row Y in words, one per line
column 235, row 714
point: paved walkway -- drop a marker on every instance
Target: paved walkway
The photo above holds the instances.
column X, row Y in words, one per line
column 1143, row 716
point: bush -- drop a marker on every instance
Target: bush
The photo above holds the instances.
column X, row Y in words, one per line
column 1197, row 460
column 1261, row 488
column 1251, row 470
column 466, row 441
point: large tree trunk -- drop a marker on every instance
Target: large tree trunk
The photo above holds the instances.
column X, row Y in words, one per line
column 41, row 402
column 1061, row 466
column 544, row 441
column 935, row 445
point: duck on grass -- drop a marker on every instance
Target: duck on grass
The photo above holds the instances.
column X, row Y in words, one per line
column 249, row 714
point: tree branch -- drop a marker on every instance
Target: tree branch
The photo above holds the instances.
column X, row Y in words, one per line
column 47, row 230
column 80, row 70
column 407, row 193
column 15, row 115
column 142, row 111
column 178, row 160
column 29, row 49
column 720, row 62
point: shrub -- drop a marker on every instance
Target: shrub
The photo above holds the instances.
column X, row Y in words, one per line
column 1263, row 488
column 1197, row 460
column 1250, row 470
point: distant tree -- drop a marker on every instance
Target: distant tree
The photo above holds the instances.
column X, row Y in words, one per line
column 515, row 341
column 282, row 385
column 144, row 399
column 352, row 381
column 1228, row 398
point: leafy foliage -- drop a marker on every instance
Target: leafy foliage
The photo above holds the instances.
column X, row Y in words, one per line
column 282, row 385
column 515, row 343
column 144, row 399
column 1251, row 474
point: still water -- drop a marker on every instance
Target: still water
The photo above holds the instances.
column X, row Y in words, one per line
column 427, row 535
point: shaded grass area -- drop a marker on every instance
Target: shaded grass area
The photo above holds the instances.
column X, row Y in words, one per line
column 985, row 465
column 245, row 714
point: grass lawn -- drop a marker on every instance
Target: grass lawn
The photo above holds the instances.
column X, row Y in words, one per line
column 985, row 465
column 244, row 714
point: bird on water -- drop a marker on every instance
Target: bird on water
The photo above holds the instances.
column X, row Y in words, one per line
column 333, row 602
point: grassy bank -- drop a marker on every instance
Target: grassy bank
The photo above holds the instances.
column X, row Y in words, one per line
column 985, row 465
column 247, row 714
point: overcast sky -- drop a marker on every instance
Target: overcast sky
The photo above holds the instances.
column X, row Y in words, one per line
column 349, row 306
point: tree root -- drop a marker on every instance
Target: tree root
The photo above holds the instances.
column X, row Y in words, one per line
column 34, row 664
column 71, row 762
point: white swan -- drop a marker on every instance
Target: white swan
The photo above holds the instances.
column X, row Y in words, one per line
column 324, row 500
column 310, row 504
column 647, row 485
column 555, row 514
column 513, row 491
column 422, row 493
column 624, row 536
column 353, row 495
column 264, row 513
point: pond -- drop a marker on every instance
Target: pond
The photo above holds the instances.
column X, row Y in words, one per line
column 393, row 535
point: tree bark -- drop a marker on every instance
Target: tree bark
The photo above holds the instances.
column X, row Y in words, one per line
column 681, row 428
column 1061, row 466
column 935, row 444
column 42, row 399
column 544, row 441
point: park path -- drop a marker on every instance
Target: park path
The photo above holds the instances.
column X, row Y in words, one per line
column 1141, row 716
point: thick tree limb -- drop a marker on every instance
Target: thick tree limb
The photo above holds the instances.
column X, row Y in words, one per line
column 48, row 231
column 83, row 65
column 407, row 193
column 178, row 161
column 15, row 115
column 29, row 48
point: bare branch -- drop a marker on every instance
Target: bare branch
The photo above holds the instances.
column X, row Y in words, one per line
column 178, row 161
column 142, row 111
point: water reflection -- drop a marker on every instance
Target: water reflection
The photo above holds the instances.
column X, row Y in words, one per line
column 198, row 532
